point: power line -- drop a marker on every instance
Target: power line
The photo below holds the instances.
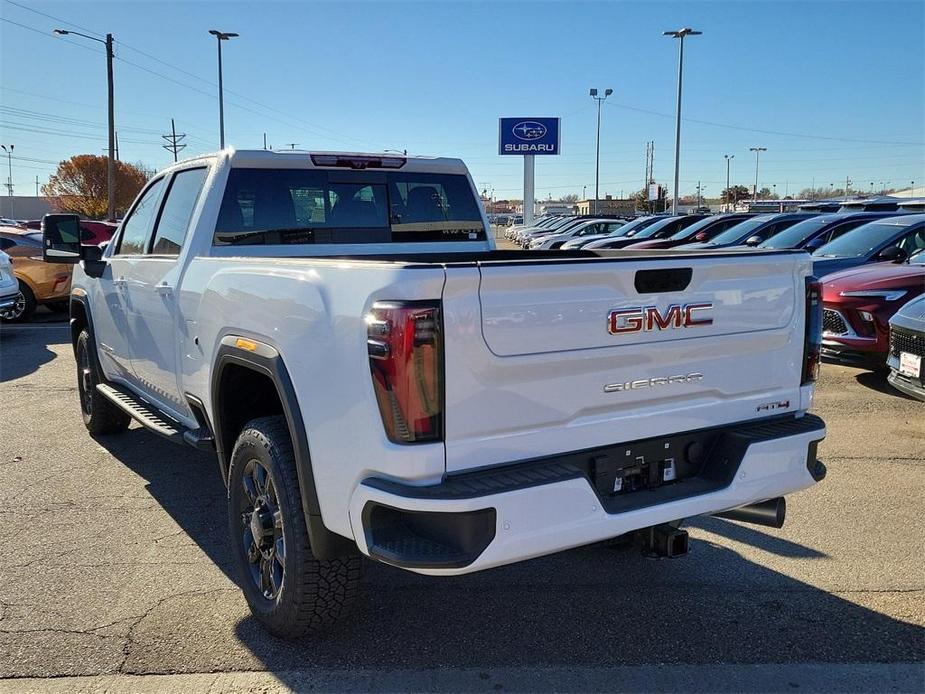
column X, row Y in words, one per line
column 42, row 33
column 57, row 19
column 759, row 130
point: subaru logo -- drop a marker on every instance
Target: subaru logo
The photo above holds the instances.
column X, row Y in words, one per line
column 529, row 130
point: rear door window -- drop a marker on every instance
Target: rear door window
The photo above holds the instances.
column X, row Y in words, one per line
column 316, row 206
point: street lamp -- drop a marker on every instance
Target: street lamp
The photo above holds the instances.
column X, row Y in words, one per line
column 111, row 163
column 597, row 158
column 9, row 181
column 757, row 151
column 221, row 36
column 680, row 34
column 728, row 158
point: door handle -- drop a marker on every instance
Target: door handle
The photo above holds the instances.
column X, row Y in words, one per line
column 163, row 289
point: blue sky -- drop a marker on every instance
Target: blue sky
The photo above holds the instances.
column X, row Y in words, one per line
column 832, row 89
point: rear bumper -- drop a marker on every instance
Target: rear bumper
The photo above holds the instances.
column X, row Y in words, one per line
column 489, row 518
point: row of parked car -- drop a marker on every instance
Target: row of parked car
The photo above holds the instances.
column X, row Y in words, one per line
column 872, row 264
column 26, row 281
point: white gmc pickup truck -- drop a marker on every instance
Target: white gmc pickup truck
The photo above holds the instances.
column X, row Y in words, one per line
column 377, row 379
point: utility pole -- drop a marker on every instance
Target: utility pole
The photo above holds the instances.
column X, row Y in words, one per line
column 221, row 36
column 680, row 34
column 729, row 158
column 36, row 186
column 9, row 181
column 757, row 151
column 698, row 194
column 847, row 185
column 117, row 145
column 111, row 163
column 264, row 140
column 174, row 141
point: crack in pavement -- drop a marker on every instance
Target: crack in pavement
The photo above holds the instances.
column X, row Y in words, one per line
column 130, row 635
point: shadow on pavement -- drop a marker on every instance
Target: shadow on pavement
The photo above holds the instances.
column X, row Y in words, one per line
column 751, row 535
column 19, row 353
column 589, row 606
column 876, row 380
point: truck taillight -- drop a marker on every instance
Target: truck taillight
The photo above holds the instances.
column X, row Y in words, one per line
column 405, row 345
column 812, row 339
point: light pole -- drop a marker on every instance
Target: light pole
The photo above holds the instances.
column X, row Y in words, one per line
column 597, row 157
column 9, row 181
column 221, row 36
column 729, row 158
column 680, row 34
column 757, row 151
column 111, row 163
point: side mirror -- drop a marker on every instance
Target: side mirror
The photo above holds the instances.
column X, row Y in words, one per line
column 700, row 236
column 753, row 240
column 61, row 238
column 893, row 254
column 92, row 257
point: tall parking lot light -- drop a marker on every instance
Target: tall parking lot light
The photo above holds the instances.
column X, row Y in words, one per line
column 757, row 151
column 680, row 34
column 597, row 157
column 110, row 164
column 729, row 158
column 9, row 181
column 221, row 36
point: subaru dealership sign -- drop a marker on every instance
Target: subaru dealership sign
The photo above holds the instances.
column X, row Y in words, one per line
column 528, row 136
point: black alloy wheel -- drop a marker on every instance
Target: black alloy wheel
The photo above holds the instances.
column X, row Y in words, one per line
column 262, row 530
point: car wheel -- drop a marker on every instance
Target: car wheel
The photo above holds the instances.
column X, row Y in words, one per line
column 288, row 591
column 99, row 414
column 24, row 307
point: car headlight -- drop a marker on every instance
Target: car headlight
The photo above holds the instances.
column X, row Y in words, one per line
column 885, row 294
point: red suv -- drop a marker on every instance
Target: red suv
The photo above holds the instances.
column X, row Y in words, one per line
column 858, row 304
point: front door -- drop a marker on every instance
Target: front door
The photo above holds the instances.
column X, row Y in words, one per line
column 156, row 320
column 111, row 305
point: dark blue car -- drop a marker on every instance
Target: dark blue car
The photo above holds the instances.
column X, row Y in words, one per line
column 753, row 231
column 892, row 239
column 816, row 232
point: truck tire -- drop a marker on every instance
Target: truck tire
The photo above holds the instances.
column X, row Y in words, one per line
column 288, row 591
column 99, row 414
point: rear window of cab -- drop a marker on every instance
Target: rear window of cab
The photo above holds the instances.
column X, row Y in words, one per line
column 318, row 206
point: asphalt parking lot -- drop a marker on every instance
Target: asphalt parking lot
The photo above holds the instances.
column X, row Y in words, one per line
column 116, row 565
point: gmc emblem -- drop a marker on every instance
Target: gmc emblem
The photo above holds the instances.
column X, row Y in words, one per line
column 645, row 318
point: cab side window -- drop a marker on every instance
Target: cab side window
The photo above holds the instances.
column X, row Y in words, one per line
column 135, row 228
column 833, row 234
column 177, row 211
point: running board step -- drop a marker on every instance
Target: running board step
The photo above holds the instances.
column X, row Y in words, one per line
column 152, row 418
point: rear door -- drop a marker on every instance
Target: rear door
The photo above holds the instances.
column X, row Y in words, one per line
column 155, row 318
column 556, row 356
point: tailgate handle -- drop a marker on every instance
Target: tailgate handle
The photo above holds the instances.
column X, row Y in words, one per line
column 667, row 280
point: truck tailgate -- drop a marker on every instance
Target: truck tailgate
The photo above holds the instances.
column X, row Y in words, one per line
column 537, row 364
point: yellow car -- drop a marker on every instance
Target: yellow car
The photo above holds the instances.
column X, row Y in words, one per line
column 39, row 282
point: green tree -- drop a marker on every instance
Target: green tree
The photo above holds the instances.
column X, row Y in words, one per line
column 733, row 194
